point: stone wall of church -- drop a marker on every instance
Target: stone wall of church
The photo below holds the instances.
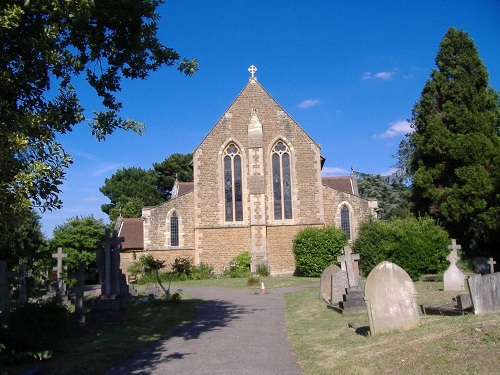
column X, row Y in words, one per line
column 218, row 246
column 157, row 224
column 360, row 209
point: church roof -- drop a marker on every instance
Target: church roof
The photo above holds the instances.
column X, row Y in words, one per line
column 347, row 184
column 253, row 96
column 181, row 188
column 131, row 230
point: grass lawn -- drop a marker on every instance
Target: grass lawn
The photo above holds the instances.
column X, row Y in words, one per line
column 454, row 345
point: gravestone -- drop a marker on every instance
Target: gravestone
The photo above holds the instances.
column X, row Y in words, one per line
column 79, row 295
column 339, row 285
column 480, row 265
column 492, row 263
column 108, row 308
column 391, row 299
column 453, row 278
column 352, row 297
column 60, row 285
column 325, row 284
column 485, row 293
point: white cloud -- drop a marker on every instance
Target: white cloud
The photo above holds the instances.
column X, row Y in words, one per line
column 308, row 103
column 397, row 128
column 388, row 172
column 105, row 168
column 334, row 171
column 380, row 75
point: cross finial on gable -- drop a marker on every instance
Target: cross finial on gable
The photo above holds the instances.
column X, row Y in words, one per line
column 252, row 69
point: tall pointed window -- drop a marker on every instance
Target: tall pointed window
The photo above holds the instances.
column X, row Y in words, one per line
column 345, row 221
column 174, row 229
column 232, row 183
column 282, row 187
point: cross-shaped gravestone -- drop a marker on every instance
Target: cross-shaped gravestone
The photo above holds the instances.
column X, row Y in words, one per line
column 111, row 244
column 252, row 70
column 348, row 259
column 492, row 263
column 59, row 268
column 4, row 287
column 453, row 256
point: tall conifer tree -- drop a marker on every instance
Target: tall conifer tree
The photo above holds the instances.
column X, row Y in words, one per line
column 455, row 149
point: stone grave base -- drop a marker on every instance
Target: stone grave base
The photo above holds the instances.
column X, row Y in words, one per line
column 107, row 310
column 352, row 302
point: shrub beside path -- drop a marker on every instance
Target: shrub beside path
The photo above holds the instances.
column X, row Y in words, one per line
column 236, row 331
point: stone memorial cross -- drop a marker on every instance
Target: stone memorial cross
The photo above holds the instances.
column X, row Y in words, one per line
column 492, row 263
column 348, row 259
column 453, row 257
column 59, row 268
column 111, row 244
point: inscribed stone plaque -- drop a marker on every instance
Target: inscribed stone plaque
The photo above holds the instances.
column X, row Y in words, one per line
column 256, row 184
column 325, row 284
column 453, row 278
column 255, row 139
column 339, row 284
column 485, row 293
column 391, row 299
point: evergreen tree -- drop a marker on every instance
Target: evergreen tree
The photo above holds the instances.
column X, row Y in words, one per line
column 129, row 189
column 176, row 166
column 454, row 153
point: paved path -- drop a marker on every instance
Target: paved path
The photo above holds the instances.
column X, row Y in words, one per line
column 234, row 332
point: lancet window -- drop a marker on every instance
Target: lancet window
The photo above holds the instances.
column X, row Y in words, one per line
column 233, row 183
column 282, row 185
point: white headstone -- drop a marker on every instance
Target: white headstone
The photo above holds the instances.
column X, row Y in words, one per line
column 391, row 299
column 453, row 278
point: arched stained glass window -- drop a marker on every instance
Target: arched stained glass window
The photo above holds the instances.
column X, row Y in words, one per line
column 233, row 195
column 282, row 185
column 174, row 229
column 345, row 221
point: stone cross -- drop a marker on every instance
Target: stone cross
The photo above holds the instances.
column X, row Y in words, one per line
column 453, row 256
column 492, row 263
column 59, row 268
column 348, row 259
column 111, row 250
column 80, row 281
column 252, row 70
column 4, row 287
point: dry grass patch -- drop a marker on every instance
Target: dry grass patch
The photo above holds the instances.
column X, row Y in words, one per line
column 441, row 345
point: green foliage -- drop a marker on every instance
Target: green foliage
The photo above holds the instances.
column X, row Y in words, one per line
column 419, row 246
column 27, row 245
column 176, row 166
column 262, row 269
column 45, row 45
column 317, row 248
column 391, row 193
column 239, row 266
column 37, row 327
column 145, row 268
column 78, row 237
column 201, row 272
column 129, row 190
column 454, row 153
column 182, row 266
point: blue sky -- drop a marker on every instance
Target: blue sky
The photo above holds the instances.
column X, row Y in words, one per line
column 348, row 72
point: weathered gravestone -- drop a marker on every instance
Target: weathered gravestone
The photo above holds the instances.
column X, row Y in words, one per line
column 485, row 293
column 351, row 296
column 108, row 308
column 453, row 278
column 391, row 299
column 325, row 284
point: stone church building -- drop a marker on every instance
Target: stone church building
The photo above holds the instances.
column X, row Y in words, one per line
column 257, row 182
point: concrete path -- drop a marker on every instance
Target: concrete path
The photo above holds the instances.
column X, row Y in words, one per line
column 234, row 332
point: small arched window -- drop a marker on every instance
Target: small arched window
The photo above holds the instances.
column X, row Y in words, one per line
column 282, row 184
column 174, row 229
column 345, row 221
column 233, row 195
